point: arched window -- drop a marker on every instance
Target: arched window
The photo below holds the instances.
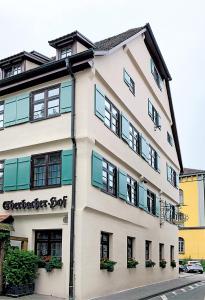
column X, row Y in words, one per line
column 181, row 245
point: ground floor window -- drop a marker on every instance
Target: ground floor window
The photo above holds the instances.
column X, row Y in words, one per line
column 48, row 243
column 104, row 245
column 171, row 253
column 148, row 250
column 161, row 252
column 129, row 247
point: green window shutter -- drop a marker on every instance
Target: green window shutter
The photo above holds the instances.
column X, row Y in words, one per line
column 177, row 180
column 122, row 185
column 66, row 96
column 142, row 196
column 150, row 110
column 157, row 207
column 22, row 108
column 152, row 66
column 99, row 104
column 158, row 163
column 23, row 173
column 67, row 163
column 97, row 170
column 144, row 149
column 125, row 129
column 10, row 174
column 168, row 173
column 10, row 112
column 159, row 124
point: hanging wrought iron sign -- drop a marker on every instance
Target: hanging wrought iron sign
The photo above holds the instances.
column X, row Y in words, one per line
column 35, row 204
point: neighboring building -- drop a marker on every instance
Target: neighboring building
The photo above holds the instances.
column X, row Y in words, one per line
column 89, row 149
column 192, row 234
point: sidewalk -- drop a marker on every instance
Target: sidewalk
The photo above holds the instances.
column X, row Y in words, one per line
column 32, row 297
column 153, row 290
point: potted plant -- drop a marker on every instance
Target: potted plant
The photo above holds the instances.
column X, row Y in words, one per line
column 132, row 263
column 149, row 263
column 173, row 264
column 162, row 263
column 106, row 264
column 19, row 271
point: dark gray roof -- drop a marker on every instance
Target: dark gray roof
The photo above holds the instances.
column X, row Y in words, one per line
column 189, row 171
column 115, row 40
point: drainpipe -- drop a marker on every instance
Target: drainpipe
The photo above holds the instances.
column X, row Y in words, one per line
column 73, row 198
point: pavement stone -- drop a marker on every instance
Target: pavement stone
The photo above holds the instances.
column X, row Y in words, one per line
column 153, row 290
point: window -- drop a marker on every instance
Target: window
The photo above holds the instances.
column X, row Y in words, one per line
column 112, row 116
column 1, row 115
column 14, row 70
column 45, row 103
column 65, row 52
column 171, row 253
column 109, row 178
column 130, row 241
column 181, row 245
column 169, row 138
column 104, row 245
column 153, row 158
column 1, row 175
column 156, row 75
column 131, row 190
column 181, row 197
column 46, row 170
column 172, row 213
column 134, row 139
column 154, row 115
column 161, row 252
column 148, row 250
column 172, row 176
column 151, row 202
column 48, row 243
column 129, row 82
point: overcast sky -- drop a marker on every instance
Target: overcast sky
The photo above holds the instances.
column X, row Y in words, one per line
column 178, row 26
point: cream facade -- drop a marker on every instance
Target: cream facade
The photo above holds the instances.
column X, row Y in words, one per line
column 101, row 205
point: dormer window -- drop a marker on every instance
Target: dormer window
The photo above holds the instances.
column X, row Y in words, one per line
column 11, row 71
column 65, row 52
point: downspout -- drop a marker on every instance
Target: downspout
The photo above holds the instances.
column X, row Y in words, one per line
column 73, row 198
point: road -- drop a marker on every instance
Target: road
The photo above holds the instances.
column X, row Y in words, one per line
column 195, row 291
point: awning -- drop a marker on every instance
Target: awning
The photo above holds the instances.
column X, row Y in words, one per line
column 6, row 222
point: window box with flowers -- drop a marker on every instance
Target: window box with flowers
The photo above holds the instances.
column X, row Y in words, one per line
column 173, row 264
column 149, row 263
column 106, row 264
column 162, row 263
column 132, row 263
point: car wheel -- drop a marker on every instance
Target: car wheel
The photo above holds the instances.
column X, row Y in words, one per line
column 201, row 272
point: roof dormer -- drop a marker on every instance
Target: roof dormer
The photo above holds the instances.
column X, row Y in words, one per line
column 70, row 44
column 21, row 62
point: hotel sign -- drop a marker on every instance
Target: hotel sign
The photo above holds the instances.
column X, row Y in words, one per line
column 35, row 204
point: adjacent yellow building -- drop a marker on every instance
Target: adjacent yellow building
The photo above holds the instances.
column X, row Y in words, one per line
column 192, row 233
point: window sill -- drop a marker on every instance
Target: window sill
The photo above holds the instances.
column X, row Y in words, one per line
column 45, row 187
column 109, row 194
column 43, row 119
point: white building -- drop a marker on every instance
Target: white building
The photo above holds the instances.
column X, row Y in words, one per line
column 88, row 151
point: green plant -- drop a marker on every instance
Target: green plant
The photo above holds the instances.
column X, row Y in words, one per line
column 106, row 264
column 173, row 264
column 54, row 263
column 132, row 263
column 4, row 235
column 202, row 261
column 162, row 263
column 149, row 263
column 20, row 267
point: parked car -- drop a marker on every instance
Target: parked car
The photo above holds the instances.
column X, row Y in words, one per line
column 194, row 266
column 182, row 268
